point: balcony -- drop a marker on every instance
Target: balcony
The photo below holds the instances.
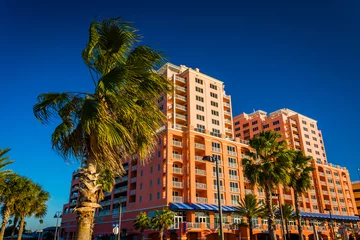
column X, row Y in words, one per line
column 216, row 201
column 234, row 177
column 180, row 79
column 201, row 130
column 215, row 149
column 177, row 170
column 249, row 191
column 220, row 175
column 313, row 200
column 180, row 116
column 134, row 168
column 231, row 153
column 200, row 172
column 227, row 113
column 199, row 158
column 181, row 107
column 325, row 192
column 226, row 96
column 235, row 190
column 177, row 143
column 178, row 199
column 312, row 191
column 322, row 174
column 177, row 126
column 233, row 165
column 105, row 203
column 323, row 183
column 199, row 146
column 133, row 180
column 181, row 98
column 228, row 130
column 287, row 197
column 122, row 189
column 227, row 121
column 346, row 187
column 200, row 185
column 181, row 89
column 221, row 188
column 133, row 192
column 177, row 156
column 201, row 200
column 326, row 201
column 178, row 184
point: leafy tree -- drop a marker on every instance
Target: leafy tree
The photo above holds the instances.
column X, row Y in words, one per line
column 300, row 181
column 163, row 219
column 250, row 207
column 118, row 119
column 13, row 190
column 288, row 214
column 33, row 205
column 142, row 223
column 268, row 167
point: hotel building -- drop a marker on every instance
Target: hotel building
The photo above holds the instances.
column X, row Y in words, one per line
column 356, row 191
column 200, row 123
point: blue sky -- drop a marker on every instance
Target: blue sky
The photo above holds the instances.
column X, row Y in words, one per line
column 302, row 55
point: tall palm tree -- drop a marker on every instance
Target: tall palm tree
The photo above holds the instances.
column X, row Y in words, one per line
column 268, row 167
column 14, row 189
column 300, row 181
column 33, row 205
column 14, row 227
column 142, row 223
column 4, row 161
column 163, row 219
column 250, row 207
column 287, row 214
column 117, row 120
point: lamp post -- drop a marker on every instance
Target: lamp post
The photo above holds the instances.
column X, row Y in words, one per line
column 331, row 223
column 119, row 236
column 215, row 159
column 57, row 216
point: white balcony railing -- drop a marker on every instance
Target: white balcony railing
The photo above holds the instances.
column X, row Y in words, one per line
column 178, row 184
column 201, row 200
column 231, row 153
column 221, row 188
column 178, row 199
column 177, row 156
column 180, row 79
column 233, row 165
column 177, row 143
column 177, row 170
column 236, row 190
column 201, row 185
column 215, row 149
column 180, row 116
column 234, row 177
column 200, row 172
column 199, row 146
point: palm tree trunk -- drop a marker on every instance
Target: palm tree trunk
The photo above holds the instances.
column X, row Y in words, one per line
column 251, row 229
column 161, row 233
column 88, row 199
column 16, row 219
column 21, row 227
column 287, row 229
column 271, row 217
column 6, row 216
column 142, row 235
column 298, row 217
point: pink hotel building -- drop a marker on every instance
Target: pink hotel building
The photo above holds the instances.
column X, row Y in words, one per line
column 200, row 123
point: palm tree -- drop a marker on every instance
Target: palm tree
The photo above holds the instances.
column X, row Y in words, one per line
column 13, row 190
column 250, row 207
column 4, row 161
column 119, row 119
column 142, row 223
column 14, row 227
column 268, row 168
column 163, row 219
column 300, row 181
column 33, row 205
column 288, row 214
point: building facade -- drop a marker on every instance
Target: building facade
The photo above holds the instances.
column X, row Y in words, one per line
column 356, row 191
column 200, row 123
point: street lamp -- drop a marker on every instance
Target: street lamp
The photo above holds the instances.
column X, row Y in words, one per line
column 57, row 216
column 214, row 159
column 331, row 223
column 281, row 215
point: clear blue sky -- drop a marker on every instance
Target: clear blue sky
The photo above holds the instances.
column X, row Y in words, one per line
column 302, row 55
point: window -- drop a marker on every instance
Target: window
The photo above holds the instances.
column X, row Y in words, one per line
column 315, row 207
column 161, row 107
column 220, row 182
column 200, row 90
column 237, row 123
column 198, row 80
column 255, row 129
column 313, row 132
column 276, row 122
column 312, row 125
column 233, row 172
column 277, row 129
column 215, row 104
column 140, row 199
column 151, row 169
column 213, row 112
column 333, row 199
column 232, row 160
column 238, row 135
column 305, row 129
column 158, row 181
column 342, row 200
column 318, row 160
column 343, row 209
column 317, row 152
column 237, row 129
column 234, row 185
column 213, row 86
column 214, row 95
column 141, row 173
column 307, row 136
column 337, row 182
column 231, row 148
column 330, row 180
column 200, row 117
column 216, row 122
column 158, row 195
column 339, row 191
column 304, row 122
column 159, row 154
column 336, row 209
column 161, row 99
column 328, row 172
column 254, row 122
column 314, row 138
column 235, row 198
column 150, row 196
column 150, row 183
column 216, row 196
column 159, row 167
column 140, row 185
column 336, row 173
column 245, row 125
column 199, row 126
column 313, row 197
column 309, row 150
column 217, row 131
column 200, row 99
column 200, row 108
column 266, row 126
column 308, row 143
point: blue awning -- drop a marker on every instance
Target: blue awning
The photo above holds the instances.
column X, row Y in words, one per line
column 327, row 216
column 180, row 206
column 212, row 207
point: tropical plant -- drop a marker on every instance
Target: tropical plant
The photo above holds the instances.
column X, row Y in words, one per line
column 142, row 223
column 250, row 207
column 13, row 190
column 118, row 120
column 4, row 161
column 14, row 227
column 33, row 205
column 288, row 215
column 300, row 181
column 163, row 219
column 268, row 167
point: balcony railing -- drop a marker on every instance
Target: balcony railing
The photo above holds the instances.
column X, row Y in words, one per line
column 180, row 79
column 231, row 153
column 216, row 201
column 323, row 182
column 287, row 197
column 220, row 174
column 177, row 170
column 200, row 172
column 199, row 146
column 228, row 121
column 177, row 156
column 201, row 200
column 178, row 184
column 198, row 158
column 133, row 180
column 180, row 97
column 133, row 192
column 180, row 116
column 180, row 88
column 221, row 188
column 233, row 165
column 234, row 177
column 215, row 149
column 177, row 143
column 236, row 190
column 178, row 199
column 227, row 113
column 201, row 185
column 249, row 191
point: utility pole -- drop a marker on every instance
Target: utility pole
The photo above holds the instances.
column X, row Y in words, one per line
column 119, row 236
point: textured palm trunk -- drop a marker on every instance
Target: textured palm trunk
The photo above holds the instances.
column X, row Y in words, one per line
column 88, row 200
column 161, row 234
column 287, row 229
column 16, row 219
column 6, row 216
column 298, row 217
column 271, row 217
column 21, row 228
column 251, row 229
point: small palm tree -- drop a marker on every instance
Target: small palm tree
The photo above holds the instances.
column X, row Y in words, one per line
column 268, row 167
column 33, row 205
column 250, row 207
column 117, row 120
column 288, row 214
column 4, row 161
column 300, row 181
column 13, row 190
column 142, row 223
column 163, row 219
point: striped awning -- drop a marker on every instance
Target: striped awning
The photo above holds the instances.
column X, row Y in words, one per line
column 327, row 216
column 180, row 206
column 212, row 207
